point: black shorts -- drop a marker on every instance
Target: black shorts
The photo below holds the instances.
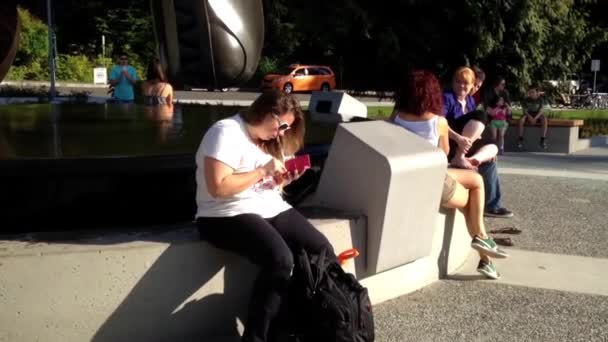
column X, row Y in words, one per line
column 457, row 125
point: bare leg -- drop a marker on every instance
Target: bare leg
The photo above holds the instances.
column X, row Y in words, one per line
column 484, row 154
column 473, row 130
column 545, row 123
column 522, row 121
column 501, row 138
column 493, row 130
column 469, row 197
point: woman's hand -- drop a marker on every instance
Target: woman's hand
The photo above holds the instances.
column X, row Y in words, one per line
column 464, row 143
column 289, row 177
column 273, row 168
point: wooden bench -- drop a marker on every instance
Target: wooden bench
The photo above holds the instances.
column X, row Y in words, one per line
column 552, row 123
column 562, row 136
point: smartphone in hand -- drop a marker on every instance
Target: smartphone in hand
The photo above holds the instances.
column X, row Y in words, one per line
column 298, row 164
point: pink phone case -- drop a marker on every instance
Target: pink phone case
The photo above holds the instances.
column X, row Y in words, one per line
column 299, row 163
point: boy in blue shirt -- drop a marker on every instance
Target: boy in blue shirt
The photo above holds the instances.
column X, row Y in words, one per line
column 122, row 79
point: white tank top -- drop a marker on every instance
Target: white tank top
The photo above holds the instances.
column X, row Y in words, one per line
column 425, row 129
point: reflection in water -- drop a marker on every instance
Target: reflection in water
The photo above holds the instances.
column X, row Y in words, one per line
column 56, row 144
column 5, row 149
column 113, row 130
column 85, row 130
column 162, row 116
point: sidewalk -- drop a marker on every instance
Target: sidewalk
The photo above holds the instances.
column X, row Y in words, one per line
column 553, row 286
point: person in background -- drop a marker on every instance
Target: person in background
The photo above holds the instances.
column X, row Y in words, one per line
column 418, row 100
column 239, row 177
column 158, row 100
column 156, row 89
column 499, row 89
column 480, row 77
column 464, row 83
column 499, row 113
column 122, row 79
column 466, row 124
column 533, row 113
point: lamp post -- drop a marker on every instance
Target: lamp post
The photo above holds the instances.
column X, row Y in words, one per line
column 51, row 49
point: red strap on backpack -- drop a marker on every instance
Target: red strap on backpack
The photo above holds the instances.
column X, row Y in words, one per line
column 347, row 254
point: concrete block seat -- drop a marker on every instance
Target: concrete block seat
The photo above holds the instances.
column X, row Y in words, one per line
column 165, row 284
column 562, row 137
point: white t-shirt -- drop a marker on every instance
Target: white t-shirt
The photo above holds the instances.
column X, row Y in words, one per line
column 228, row 141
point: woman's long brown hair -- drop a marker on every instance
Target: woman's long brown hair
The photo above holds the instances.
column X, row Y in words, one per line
column 277, row 102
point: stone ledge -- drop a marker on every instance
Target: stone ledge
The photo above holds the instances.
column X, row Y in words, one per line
column 560, row 139
column 158, row 285
column 164, row 285
column 553, row 123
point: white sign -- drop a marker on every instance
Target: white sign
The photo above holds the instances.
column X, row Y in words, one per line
column 100, row 76
column 595, row 65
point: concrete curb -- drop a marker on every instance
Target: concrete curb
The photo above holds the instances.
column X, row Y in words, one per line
column 65, row 84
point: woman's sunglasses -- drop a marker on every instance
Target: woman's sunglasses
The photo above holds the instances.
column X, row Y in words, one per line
column 283, row 126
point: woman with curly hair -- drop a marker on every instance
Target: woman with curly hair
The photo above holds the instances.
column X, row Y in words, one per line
column 418, row 101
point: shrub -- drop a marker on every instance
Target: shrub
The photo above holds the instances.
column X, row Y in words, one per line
column 74, row 68
column 33, row 41
column 11, row 91
column 594, row 127
column 266, row 65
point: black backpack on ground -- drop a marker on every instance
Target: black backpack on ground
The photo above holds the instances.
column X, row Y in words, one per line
column 326, row 304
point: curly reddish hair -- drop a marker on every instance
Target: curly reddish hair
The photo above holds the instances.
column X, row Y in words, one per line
column 420, row 93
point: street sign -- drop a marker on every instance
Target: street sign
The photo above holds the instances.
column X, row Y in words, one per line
column 595, row 65
column 100, row 76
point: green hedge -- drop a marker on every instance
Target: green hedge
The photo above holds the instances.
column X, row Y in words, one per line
column 76, row 68
column 31, row 62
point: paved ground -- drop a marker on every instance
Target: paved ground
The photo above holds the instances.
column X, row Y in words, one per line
column 557, row 215
column 553, row 286
column 483, row 311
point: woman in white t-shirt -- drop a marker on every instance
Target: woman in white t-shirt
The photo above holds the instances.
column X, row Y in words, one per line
column 239, row 176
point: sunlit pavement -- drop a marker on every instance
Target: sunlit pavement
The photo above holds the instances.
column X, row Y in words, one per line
column 553, row 287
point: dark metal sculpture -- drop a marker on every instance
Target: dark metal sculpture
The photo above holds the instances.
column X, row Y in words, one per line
column 9, row 35
column 203, row 43
column 209, row 43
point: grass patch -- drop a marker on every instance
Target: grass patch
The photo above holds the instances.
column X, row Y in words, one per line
column 583, row 114
column 379, row 112
column 596, row 121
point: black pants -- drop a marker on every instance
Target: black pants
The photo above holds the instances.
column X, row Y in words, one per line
column 270, row 244
column 457, row 125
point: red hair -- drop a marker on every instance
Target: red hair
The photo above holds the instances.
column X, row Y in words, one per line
column 465, row 74
column 420, row 93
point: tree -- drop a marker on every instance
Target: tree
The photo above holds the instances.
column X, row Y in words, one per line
column 31, row 61
column 532, row 40
column 34, row 41
column 371, row 42
column 129, row 30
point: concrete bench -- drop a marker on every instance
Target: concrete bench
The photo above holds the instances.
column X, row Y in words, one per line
column 166, row 284
column 562, row 137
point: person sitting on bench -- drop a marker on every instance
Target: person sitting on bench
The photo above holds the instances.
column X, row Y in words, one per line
column 418, row 100
column 239, row 176
column 533, row 113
